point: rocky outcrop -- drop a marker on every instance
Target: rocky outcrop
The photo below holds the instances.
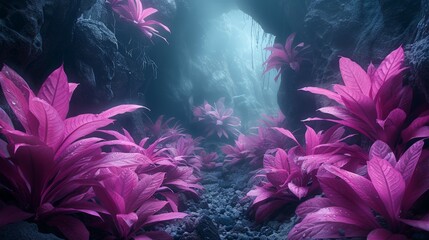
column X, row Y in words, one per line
column 418, row 53
column 90, row 61
column 20, row 36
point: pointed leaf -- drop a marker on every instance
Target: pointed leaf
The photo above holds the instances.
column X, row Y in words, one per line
column 70, row 227
column 422, row 223
column 330, row 222
column 389, row 185
column 312, row 205
column 383, row 234
column 51, row 126
column 55, row 91
column 354, row 77
column 12, row 214
column 391, row 66
column 381, row 150
column 16, row 98
column 164, row 217
column 5, row 121
column 287, row 133
column 361, row 186
column 408, row 161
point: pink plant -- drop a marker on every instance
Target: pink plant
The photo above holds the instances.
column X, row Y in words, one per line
column 252, row 147
column 326, row 147
column 131, row 204
column 47, row 169
column 133, row 12
column 208, row 160
column 175, row 159
column 239, row 151
column 217, row 119
column 282, row 185
column 377, row 206
column 161, row 128
column 289, row 177
column 374, row 103
column 283, row 57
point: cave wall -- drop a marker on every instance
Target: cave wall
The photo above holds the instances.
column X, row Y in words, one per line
column 113, row 64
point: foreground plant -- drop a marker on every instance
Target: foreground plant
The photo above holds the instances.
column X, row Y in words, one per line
column 374, row 103
column 380, row 205
column 131, row 204
column 47, row 169
column 176, row 157
column 289, row 177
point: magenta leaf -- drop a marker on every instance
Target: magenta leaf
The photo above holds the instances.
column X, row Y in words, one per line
column 408, row 161
column 419, row 183
column 55, row 91
column 392, row 125
column 164, row 217
column 12, row 214
column 422, row 223
column 330, row 222
column 283, row 57
column 389, row 184
column 297, row 190
column 126, row 222
column 312, row 205
column 5, row 121
column 312, row 139
column 383, row 234
column 72, row 228
column 120, row 109
column 50, row 124
column 327, row 93
column 354, row 77
column 16, row 96
column 418, row 128
column 363, row 190
column 381, row 150
column 132, row 11
column 286, row 133
column 391, row 66
column 265, row 210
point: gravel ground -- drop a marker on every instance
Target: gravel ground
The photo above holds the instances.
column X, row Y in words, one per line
column 222, row 214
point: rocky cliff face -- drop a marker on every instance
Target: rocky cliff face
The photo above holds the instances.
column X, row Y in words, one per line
column 113, row 63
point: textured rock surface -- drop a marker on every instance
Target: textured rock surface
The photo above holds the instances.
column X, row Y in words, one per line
column 24, row 231
column 223, row 211
column 90, row 61
column 20, row 37
column 418, row 52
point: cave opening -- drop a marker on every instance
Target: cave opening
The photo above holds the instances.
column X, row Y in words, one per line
column 221, row 57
